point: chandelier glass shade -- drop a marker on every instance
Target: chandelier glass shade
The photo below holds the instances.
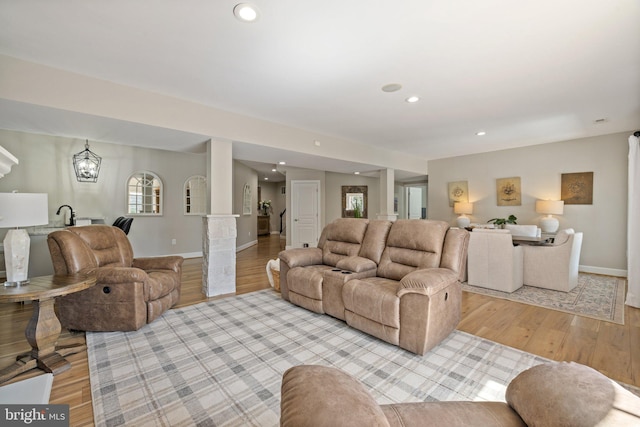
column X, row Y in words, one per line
column 86, row 165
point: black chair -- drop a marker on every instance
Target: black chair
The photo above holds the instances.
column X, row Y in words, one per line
column 126, row 225
column 123, row 223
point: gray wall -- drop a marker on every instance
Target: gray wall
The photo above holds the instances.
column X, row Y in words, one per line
column 334, row 183
column 271, row 191
column 46, row 167
column 247, row 225
column 540, row 168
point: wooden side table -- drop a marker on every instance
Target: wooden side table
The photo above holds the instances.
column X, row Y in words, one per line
column 44, row 327
column 264, row 228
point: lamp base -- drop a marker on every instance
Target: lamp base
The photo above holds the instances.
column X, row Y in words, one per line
column 549, row 224
column 16, row 256
column 463, row 221
column 16, row 284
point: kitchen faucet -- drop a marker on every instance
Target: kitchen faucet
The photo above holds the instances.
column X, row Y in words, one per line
column 71, row 217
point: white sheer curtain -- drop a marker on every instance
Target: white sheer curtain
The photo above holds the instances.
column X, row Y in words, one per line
column 633, row 223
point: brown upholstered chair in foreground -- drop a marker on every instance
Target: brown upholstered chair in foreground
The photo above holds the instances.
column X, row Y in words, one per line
column 548, row 395
column 129, row 293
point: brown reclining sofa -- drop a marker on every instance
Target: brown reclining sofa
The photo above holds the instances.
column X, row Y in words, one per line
column 398, row 281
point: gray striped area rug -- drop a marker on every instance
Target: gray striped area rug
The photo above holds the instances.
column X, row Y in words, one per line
column 220, row 363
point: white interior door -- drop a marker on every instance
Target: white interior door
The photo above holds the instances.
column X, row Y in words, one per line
column 414, row 201
column 305, row 216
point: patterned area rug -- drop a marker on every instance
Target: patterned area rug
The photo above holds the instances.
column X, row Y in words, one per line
column 221, row 363
column 596, row 296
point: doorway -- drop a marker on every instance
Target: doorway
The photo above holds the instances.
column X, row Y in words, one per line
column 305, row 213
column 416, row 201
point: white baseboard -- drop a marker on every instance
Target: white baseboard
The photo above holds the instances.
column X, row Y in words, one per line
column 602, row 270
column 190, row 255
column 246, row 245
column 275, row 232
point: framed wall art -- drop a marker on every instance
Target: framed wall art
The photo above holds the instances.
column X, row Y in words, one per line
column 458, row 192
column 509, row 191
column 577, row 188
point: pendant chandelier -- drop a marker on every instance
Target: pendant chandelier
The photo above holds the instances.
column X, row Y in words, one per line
column 87, row 165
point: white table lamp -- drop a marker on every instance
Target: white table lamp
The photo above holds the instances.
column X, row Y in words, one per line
column 463, row 208
column 20, row 210
column 549, row 224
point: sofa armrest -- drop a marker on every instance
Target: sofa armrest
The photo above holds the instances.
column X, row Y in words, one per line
column 301, row 257
column 323, row 396
column 173, row 263
column 356, row 264
column 427, row 281
column 115, row 275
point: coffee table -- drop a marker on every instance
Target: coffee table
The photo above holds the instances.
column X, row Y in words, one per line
column 44, row 328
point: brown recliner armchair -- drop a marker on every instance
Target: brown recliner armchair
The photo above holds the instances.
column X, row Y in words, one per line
column 129, row 292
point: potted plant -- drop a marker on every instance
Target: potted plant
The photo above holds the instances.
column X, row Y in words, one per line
column 500, row 222
column 357, row 209
column 265, row 206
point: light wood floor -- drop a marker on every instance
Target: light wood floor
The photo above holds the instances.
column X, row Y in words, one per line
column 610, row 348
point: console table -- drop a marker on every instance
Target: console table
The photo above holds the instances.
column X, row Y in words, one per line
column 264, row 225
column 44, row 328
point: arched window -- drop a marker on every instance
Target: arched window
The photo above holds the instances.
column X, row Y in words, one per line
column 195, row 195
column 144, row 194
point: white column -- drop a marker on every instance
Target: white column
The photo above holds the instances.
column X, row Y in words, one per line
column 387, row 183
column 219, row 228
column 220, row 177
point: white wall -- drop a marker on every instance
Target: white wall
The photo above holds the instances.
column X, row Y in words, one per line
column 540, row 168
column 46, row 167
column 38, row 84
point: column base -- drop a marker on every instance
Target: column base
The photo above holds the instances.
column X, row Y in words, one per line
column 219, row 255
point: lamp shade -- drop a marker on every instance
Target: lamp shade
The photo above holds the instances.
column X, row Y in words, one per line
column 550, row 207
column 463, row 208
column 23, row 209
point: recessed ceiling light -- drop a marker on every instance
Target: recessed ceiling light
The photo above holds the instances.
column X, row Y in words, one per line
column 274, row 170
column 246, row 12
column 481, row 133
column 282, row 163
column 266, row 178
column 412, row 99
column 356, row 173
column 391, row 87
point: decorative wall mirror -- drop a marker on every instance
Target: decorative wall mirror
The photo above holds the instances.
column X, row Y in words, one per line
column 246, row 200
column 354, row 201
column 144, row 194
column 195, row 195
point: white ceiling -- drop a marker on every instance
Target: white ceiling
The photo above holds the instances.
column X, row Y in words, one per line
column 524, row 72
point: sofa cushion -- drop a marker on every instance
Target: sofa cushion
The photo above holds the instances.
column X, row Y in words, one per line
column 160, row 284
column 109, row 246
column 375, row 240
column 344, row 237
column 374, row 299
column 451, row 414
column 571, row 394
column 412, row 244
column 307, row 281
